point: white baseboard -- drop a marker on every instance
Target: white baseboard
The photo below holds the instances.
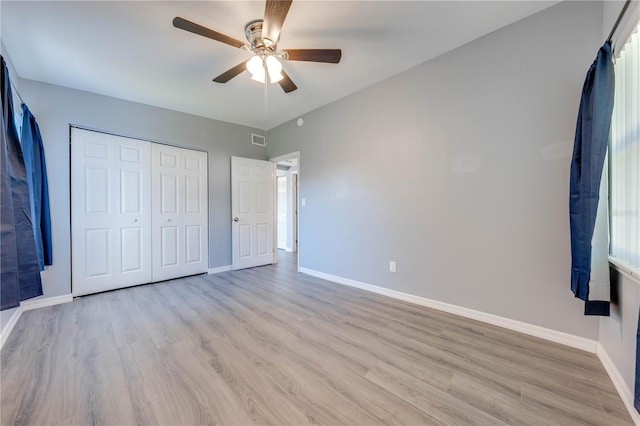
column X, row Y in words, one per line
column 522, row 327
column 621, row 386
column 219, row 269
column 6, row 331
column 28, row 305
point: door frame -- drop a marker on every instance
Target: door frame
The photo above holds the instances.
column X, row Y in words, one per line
column 279, row 210
column 289, row 156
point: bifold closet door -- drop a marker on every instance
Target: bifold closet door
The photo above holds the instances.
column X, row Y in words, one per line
column 139, row 212
column 110, row 211
column 179, row 212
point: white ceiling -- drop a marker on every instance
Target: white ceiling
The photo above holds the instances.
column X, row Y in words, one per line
column 130, row 50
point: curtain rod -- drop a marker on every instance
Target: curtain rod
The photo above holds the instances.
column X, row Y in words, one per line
column 622, row 12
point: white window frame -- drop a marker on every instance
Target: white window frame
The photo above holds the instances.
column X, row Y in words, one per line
column 631, row 271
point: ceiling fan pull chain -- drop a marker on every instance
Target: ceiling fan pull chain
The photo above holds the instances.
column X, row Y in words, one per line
column 266, row 104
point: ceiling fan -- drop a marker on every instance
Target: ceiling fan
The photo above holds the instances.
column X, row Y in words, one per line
column 262, row 36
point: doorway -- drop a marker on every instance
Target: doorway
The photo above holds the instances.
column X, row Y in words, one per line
column 287, row 191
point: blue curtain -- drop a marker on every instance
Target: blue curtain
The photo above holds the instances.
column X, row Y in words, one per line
column 33, row 151
column 589, row 150
column 20, row 270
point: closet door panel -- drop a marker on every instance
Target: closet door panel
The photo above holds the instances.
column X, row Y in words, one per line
column 110, row 211
column 179, row 204
column 98, row 249
column 195, row 213
column 193, row 245
column 169, row 245
column 131, row 249
column 166, row 195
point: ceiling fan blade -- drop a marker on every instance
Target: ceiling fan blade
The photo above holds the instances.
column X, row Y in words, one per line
column 332, row 56
column 275, row 13
column 192, row 27
column 229, row 74
column 286, row 83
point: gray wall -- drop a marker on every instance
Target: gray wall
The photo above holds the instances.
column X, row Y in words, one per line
column 57, row 107
column 458, row 170
column 617, row 333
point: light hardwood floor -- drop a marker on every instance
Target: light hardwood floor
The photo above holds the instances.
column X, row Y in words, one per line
column 271, row 346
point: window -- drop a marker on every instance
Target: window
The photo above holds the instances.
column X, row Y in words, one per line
column 624, row 156
column 17, row 112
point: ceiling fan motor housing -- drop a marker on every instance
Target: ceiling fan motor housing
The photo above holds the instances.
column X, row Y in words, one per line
column 253, row 31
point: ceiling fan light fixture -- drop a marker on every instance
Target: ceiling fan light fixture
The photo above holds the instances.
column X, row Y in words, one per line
column 274, row 67
column 275, row 78
column 255, row 66
column 258, row 77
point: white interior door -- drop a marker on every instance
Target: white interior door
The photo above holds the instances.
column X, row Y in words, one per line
column 110, row 211
column 252, row 212
column 179, row 206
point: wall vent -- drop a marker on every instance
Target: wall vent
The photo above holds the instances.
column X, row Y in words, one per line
column 258, row 140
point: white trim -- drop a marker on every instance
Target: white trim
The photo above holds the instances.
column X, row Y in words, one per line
column 29, row 305
column 625, row 269
column 8, row 328
column 626, row 27
column 219, row 269
column 295, row 154
column 288, row 156
column 621, row 386
column 510, row 324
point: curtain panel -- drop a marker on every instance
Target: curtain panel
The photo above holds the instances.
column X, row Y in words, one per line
column 20, row 270
column 33, row 151
column 589, row 151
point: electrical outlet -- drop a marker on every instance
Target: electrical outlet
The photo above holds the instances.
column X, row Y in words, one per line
column 392, row 266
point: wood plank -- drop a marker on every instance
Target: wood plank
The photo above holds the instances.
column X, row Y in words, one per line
column 444, row 407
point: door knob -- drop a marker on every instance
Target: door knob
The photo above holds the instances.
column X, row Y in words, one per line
column 235, row 219
column 169, row 220
column 135, row 220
